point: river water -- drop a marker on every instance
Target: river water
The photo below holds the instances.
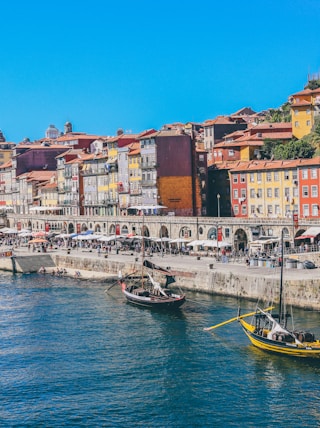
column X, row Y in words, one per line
column 73, row 355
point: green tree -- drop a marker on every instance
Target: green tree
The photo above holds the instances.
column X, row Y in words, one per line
column 268, row 148
column 281, row 114
column 313, row 84
column 295, row 149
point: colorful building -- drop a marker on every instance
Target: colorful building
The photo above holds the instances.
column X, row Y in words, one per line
column 305, row 108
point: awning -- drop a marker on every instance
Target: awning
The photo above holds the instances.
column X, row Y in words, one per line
column 45, row 208
column 312, row 232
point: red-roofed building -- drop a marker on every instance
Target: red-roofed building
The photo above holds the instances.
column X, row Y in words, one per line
column 245, row 145
column 305, row 108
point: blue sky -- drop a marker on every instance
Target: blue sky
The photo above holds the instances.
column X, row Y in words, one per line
column 104, row 65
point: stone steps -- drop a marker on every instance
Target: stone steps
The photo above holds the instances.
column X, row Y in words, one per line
column 29, row 264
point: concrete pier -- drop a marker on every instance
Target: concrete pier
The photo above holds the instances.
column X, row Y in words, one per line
column 197, row 274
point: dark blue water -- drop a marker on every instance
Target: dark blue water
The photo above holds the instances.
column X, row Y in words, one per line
column 75, row 356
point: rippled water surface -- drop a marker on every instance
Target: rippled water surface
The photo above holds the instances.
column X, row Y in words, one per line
column 73, row 355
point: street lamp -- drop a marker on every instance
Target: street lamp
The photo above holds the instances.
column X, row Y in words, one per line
column 218, row 200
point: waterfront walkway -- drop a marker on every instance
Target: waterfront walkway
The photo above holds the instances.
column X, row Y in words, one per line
column 178, row 262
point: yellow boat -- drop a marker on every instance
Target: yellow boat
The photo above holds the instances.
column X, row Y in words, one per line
column 269, row 332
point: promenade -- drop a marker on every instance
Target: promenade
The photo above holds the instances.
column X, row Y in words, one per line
column 178, row 262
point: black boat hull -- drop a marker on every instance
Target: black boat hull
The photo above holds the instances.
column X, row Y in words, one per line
column 155, row 302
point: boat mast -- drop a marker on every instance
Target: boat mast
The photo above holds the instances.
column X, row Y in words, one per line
column 281, row 314
column 142, row 249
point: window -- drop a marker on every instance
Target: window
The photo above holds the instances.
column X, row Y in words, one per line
column 243, row 193
column 276, row 176
column 235, row 194
column 296, row 124
column 236, row 209
column 231, row 152
column 252, row 209
column 304, row 173
column 259, row 177
column 286, row 175
column 269, row 178
column 269, row 208
column 276, row 192
column 305, row 191
column 308, row 122
column 252, row 193
column 277, row 210
column 315, row 210
column 269, row 192
column 227, row 232
column 244, row 209
column 235, row 178
column 305, row 210
column 242, row 178
column 251, row 177
column 314, row 173
column 260, row 209
column 314, row 191
column 259, row 193
column 296, row 112
column 308, row 111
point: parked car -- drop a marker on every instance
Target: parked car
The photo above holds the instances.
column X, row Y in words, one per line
column 307, row 264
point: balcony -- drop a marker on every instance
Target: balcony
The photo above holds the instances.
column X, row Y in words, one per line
column 148, row 165
column 148, row 183
column 135, row 192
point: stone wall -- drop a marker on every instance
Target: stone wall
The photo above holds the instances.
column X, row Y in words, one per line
column 300, row 293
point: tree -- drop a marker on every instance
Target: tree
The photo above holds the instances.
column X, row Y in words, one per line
column 313, row 84
column 268, row 148
column 281, row 114
column 295, row 149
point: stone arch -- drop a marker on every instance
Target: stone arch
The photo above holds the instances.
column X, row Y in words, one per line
column 164, row 233
column 240, row 240
column 299, row 233
column 70, row 228
column 112, row 229
column 212, row 232
column 84, row 227
column 97, row 228
column 286, row 237
column 286, row 232
column 185, row 232
column 124, row 230
column 145, row 231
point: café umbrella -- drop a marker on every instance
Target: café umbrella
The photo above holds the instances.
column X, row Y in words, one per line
column 38, row 241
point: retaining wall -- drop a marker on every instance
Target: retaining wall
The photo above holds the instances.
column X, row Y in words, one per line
column 300, row 293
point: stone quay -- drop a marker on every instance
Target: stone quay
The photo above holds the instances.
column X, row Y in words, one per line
column 196, row 274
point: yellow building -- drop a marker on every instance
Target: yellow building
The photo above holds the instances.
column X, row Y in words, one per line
column 135, row 175
column 305, row 107
column 265, row 189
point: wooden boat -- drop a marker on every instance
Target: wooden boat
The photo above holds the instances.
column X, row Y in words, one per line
column 270, row 332
column 144, row 290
